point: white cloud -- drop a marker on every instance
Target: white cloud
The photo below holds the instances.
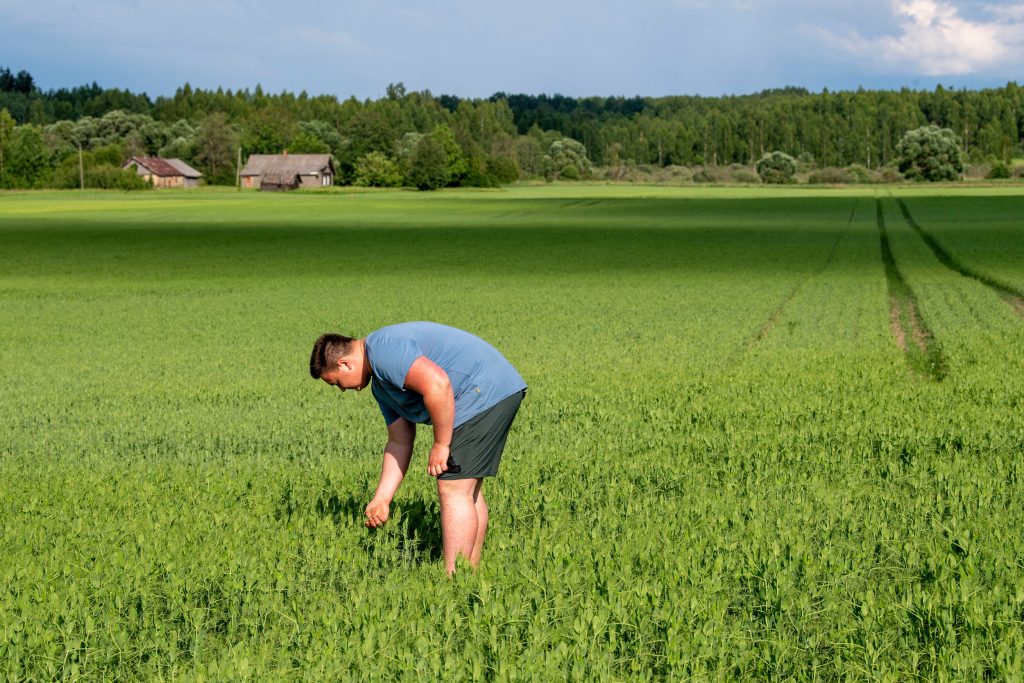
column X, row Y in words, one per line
column 935, row 40
column 1009, row 13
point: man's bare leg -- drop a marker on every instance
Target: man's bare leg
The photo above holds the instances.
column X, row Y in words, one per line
column 459, row 523
column 482, row 515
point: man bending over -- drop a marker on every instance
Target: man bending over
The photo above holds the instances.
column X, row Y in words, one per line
column 426, row 373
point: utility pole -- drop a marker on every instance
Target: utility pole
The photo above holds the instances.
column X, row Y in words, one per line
column 238, row 170
column 81, row 168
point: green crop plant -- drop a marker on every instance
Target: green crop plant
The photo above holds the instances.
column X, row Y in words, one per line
column 727, row 468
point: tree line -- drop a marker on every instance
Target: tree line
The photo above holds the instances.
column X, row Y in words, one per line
column 53, row 137
column 826, row 129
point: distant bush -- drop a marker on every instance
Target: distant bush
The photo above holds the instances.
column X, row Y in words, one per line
column 888, row 174
column 831, row 176
column 107, row 177
column 680, row 174
column 502, row 169
column 746, row 176
column 999, row 171
column 862, row 174
column 703, row 175
column 710, row 174
column 491, row 171
column 570, row 172
column 629, row 172
column 376, row 169
column 102, row 170
column 776, row 167
column 977, row 171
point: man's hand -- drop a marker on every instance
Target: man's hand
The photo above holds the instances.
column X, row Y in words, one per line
column 438, row 460
column 377, row 512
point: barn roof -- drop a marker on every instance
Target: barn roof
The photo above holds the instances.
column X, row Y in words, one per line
column 295, row 164
column 184, row 168
column 164, row 167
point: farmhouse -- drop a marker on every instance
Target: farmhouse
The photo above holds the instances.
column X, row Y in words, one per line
column 164, row 172
column 288, row 171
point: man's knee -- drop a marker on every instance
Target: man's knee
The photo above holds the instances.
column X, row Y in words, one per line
column 449, row 489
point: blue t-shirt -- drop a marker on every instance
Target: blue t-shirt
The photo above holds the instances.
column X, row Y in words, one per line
column 480, row 376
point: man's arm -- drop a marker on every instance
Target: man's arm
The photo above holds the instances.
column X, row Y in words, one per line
column 397, row 452
column 428, row 380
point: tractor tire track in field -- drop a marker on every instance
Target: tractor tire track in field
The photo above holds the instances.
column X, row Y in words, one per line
column 773, row 319
column 1011, row 295
column 921, row 350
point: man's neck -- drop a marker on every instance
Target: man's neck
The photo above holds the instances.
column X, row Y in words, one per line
column 367, row 368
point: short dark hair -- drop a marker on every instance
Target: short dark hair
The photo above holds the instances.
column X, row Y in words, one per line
column 327, row 349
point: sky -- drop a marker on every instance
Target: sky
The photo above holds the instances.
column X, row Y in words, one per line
column 474, row 48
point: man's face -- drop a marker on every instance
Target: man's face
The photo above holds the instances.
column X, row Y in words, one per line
column 348, row 374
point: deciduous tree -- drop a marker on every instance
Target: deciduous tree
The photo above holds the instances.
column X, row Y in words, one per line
column 566, row 159
column 27, row 157
column 376, row 169
column 776, row 167
column 6, row 136
column 930, row 153
column 216, row 149
column 428, row 167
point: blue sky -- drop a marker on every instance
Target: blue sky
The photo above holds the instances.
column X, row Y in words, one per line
column 474, row 48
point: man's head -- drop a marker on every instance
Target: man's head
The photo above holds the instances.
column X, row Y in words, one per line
column 340, row 361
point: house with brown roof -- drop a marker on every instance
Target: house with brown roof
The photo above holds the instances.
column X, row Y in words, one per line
column 164, row 172
column 288, row 171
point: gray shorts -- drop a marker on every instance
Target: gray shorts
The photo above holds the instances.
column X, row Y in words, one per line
column 477, row 443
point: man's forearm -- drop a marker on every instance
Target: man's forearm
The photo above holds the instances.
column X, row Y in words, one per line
column 393, row 469
column 440, row 404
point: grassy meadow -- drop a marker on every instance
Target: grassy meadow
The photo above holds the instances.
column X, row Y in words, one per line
column 772, row 433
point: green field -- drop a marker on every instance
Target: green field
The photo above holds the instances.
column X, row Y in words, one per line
column 771, row 434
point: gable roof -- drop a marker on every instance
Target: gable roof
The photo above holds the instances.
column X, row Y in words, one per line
column 295, row 164
column 184, row 168
column 164, row 167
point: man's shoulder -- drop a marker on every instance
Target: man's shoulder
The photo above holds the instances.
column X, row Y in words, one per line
column 398, row 333
column 424, row 333
column 391, row 351
column 410, row 329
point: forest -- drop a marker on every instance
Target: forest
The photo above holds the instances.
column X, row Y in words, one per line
column 406, row 137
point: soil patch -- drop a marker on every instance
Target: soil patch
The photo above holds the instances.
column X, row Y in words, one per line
column 1016, row 302
column 909, row 329
column 895, row 326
